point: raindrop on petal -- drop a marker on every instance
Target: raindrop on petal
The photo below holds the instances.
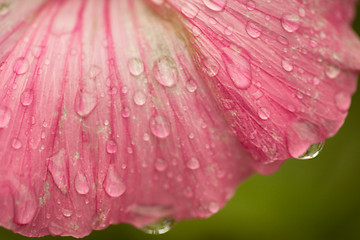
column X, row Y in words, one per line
column 290, row 22
column 81, row 184
column 27, row 97
column 193, row 164
column 312, row 151
column 21, row 66
column 165, row 71
column 215, row 5
column 136, row 66
column 160, row 126
column 5, row 116
column 114, row 186
column 160, row 227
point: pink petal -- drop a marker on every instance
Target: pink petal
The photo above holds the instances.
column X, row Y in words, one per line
column 104, row 119
column 283, row 74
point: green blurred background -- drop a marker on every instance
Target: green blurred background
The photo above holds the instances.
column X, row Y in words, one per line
column 316, row 199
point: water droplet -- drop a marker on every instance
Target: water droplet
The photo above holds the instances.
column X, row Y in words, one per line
column 189, row 10
column 283, row 40
column 253, row 29
column 264, row 113
column 113, row 184
column 160, row 164
column 211, row 67
column 312, row 151
column 27, row 97
column 4, row 9
column 140, row 98
column 193, row 164
column 160, row 126
column 343, row 101
column 251, row 6
column 229, row 30
column 16, row 143
column 58, row 169
column 290, row 22
column 238, row 68
column 136, row 66
column 81, row 184
column 165, row 71
column 85, row 103
column 67, row 212
column 25, row 205
column 21, row 66
column 160, row 227
column 158, row 2
column 94, row 71
column 125, row 112
column 5, row 116
column 111, row 147
column 214, row 207
column 332, row 72
column 191, row 86
column 287, row 66
column 215, row 5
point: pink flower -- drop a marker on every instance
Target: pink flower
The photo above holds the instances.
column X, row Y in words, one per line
column 134, row 111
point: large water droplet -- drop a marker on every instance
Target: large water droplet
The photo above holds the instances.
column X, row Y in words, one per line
column 253, row 29
column 238, row 68
column 81, row 184
column 215, row 5
column 160, row 126
column 136, row 66
column 21, row 66
column 287, row 66
column 4, row 9
column 191, row 86
column 160, row 227
column 251, row 6
column 85, row 103
column 27, row 97
column 264, row 113
column 5, row 116
column 114, row 185
column 290, row 22
column 312, row 151
column 193, row 164
column 58, row 170
column 165, row 71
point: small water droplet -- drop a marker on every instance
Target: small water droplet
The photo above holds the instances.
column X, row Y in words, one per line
column 214, row 207
column 250, row 5
column 312, row 151
column 343, row 101
column 287, row 66
column 332, row 72
column 58, row 169
column 283, row 40
column 16, row 143
column 191, row 86
column 21, row 66
column 27, row 97
column 85, row 103
column 215, row 5
column 25, row 205
column 114, row 186
column 160, row 126
column 111, row 147
column 165, row 71
column 160, row 164
column 136, row 66
column 290, row 22
column 67, row 212
column 189, row 10
column 193, row 164
column 229, row 30
column 5, row 116
column 94, row 71
column 125, row 112
column 253, row 29
column 81, row 184
column 140, row 98
column 264, row 113
column 211, row 67
column 160, row 227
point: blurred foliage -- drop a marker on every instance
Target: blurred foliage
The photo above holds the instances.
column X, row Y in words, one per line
column 314, row 200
